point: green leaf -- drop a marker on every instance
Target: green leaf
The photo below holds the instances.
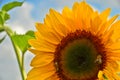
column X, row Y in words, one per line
column 1, row 20
column 4, row 15
column 1, row 40
column 22, row 41
column 1, row 29
column 31, row 33
column 11, row 5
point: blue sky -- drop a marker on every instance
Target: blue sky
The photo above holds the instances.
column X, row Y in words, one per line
column 23, row 19
column 41, row 7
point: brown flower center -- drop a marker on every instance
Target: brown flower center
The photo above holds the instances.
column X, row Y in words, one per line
column 80, row 56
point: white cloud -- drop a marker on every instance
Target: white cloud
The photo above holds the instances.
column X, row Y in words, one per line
column 21, row 19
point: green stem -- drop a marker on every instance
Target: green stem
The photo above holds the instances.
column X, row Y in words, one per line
column 23, row 68
column 20, row 59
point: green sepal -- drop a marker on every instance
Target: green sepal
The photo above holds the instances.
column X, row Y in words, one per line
column 22, row 41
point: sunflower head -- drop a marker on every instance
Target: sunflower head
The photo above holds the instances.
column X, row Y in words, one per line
column 77, row 44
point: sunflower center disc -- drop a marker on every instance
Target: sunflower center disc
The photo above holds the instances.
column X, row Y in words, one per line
column 79, row 58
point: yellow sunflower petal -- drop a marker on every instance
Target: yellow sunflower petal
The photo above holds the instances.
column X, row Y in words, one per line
column 67, row 13
column 113, row 65
column 39, row 37
column 94, row 15
column 59, row 23
column 108, row 74
column 111, row 74
column 114, row 46
column 113, row 26
column 116, row 34
column 34, row 51
column 53, row 77
column 82, row 10
column 82, row 14
column 42, row 45
column 100, row 75
column 42, row 59
column 99, row 20
column 114, row 55
column 50, row 36
column 95, row 24
column 105, row 28
column 75, row 9
column 104, row 15
column 85, row 17
column 41, row 73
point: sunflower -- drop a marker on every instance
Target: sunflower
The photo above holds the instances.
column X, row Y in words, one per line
column 77, row 44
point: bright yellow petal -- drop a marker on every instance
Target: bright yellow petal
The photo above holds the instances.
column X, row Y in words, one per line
column 48, row 33
column 81, row 10
column 95, row 24
column 42, row 45
column 41, row 73
column 67, row 13
column 108, row 74
column 69, row 18
column 39, row 37
column 114, row 46
column 82, row 15
column 111, row 69
column 114, row 55
column 99, row 20
column 113, row 65
column 53, row 77
column 105, row 28
column 116, row 34
column 104, row 15
column 42, row 59
column 100, row 75
column 85, row 13
column 56, row 22
column 111, row 75
column 112, row 34
column 34, row 51
column 59, row 23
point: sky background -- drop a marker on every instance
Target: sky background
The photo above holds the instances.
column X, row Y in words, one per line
column 23, row 19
